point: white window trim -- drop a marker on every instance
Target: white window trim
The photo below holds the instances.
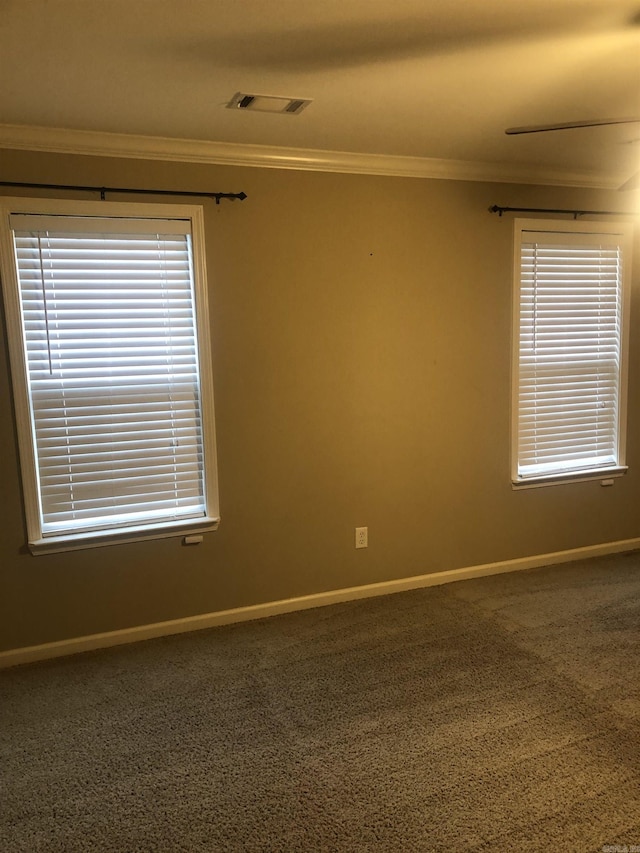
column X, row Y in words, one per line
column 39, row 544
column 624, row 234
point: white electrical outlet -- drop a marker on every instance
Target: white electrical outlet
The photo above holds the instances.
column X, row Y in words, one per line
column 362, row 537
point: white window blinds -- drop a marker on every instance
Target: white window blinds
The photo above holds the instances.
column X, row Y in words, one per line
column 110, row 340
column 570, row 353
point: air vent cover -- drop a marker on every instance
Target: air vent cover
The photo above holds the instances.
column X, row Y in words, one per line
column 268, row 103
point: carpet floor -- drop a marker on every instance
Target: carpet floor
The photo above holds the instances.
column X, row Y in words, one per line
column 501, row 713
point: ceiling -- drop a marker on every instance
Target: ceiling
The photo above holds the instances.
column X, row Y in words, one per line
column 434, row 79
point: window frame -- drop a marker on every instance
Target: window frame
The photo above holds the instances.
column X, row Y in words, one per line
column 37, row 542
column 623, row 232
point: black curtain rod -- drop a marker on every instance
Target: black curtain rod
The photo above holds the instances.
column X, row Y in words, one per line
column 104, row 190
column 496, row 208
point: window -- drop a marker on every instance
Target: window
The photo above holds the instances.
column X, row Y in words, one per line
column 572, row 282
column 109, row 340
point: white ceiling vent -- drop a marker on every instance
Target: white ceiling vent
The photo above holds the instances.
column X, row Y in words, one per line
column 268, row 103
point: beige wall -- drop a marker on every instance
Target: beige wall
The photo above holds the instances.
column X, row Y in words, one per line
column 361, row 348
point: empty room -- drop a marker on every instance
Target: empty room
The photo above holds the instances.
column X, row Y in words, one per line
column 319, row 426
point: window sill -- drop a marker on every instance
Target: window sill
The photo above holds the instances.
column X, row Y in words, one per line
column 98, row 539
column 570, row 477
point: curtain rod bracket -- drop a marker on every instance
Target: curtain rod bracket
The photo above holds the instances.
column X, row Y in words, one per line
column 230, row 196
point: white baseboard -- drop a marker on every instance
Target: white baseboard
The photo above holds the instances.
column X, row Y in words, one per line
column 30, row 654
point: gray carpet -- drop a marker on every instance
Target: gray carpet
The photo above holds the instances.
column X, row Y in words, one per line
column 494, row 714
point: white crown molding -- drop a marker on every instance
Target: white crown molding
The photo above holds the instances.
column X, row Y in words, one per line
column 65, row 141
column 75, row 645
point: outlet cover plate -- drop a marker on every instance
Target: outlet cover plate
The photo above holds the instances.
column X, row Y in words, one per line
column 362, row 537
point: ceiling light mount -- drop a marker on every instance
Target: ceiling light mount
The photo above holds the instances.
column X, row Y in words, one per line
column 268, row 103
